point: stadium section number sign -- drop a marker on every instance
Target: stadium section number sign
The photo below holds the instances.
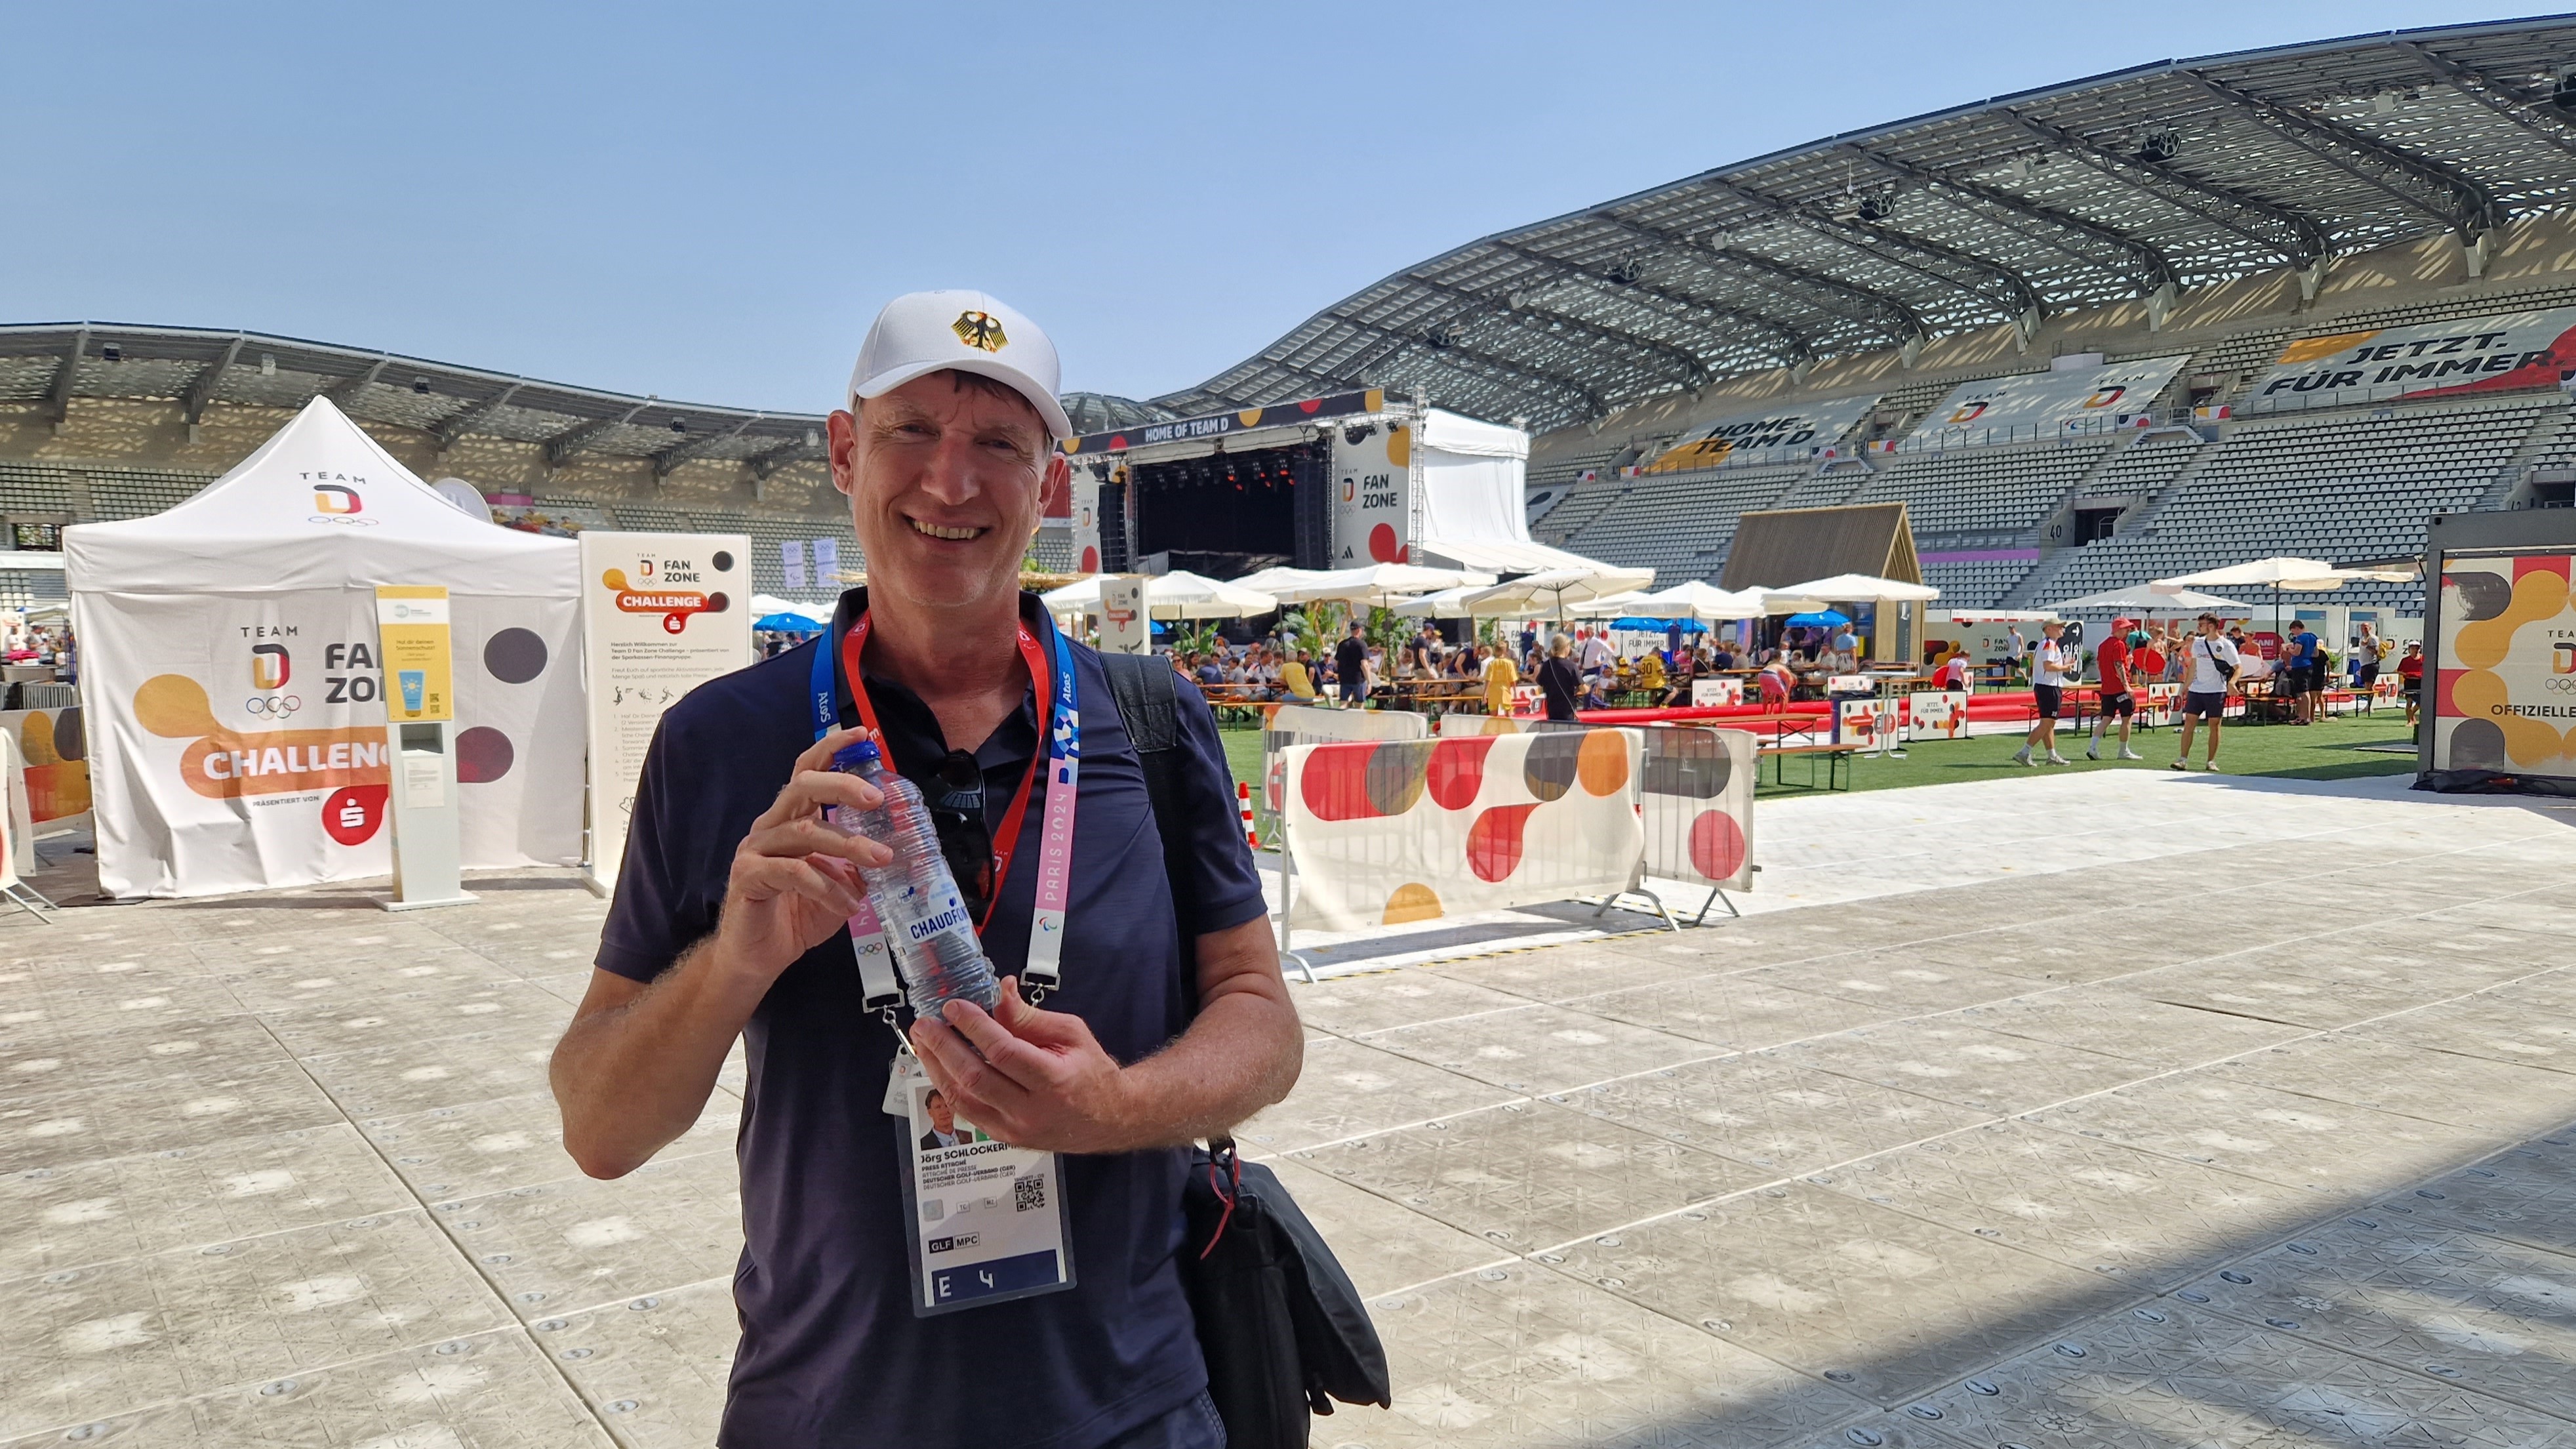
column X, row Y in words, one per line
column 2435, row 359
column 2035, row 407
column 2506, row 696
column 1780, row 435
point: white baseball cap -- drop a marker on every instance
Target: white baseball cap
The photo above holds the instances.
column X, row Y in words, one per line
column 925, row 332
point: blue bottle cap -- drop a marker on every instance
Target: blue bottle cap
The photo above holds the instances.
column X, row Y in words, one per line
column 857, row 752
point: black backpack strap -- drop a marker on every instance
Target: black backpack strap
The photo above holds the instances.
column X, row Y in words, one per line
column 1149, row 706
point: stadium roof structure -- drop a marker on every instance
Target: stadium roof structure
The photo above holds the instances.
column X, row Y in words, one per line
column 2127, row 186
column 53, row 363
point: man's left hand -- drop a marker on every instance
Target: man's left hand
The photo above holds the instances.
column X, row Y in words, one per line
column 1031, row 1078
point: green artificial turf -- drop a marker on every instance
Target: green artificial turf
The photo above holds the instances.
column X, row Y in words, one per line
column 2327, row 750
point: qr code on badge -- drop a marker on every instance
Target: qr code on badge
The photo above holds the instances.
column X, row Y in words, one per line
column 1028, row 1194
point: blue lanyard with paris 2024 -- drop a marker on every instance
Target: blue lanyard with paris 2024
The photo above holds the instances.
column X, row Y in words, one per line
column 988, row 1220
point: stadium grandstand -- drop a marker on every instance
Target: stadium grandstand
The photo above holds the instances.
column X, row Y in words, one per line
column 2220, row 218
column 104, row 421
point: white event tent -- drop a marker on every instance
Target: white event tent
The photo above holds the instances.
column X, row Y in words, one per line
column 228, row 648
column 1179, row 594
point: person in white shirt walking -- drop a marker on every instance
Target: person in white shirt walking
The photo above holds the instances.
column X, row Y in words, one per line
column 1595, row 655
column 2050, row 665
column 2210, row 662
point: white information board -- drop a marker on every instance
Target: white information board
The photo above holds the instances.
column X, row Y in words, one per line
column 661, row 613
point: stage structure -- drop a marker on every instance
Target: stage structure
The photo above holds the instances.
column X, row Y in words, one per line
column 1339, row 481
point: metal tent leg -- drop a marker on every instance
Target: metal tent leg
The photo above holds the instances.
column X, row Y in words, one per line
column 20, row 896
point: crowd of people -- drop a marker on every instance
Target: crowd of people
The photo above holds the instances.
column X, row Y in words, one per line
column 1354, row 669
column 2210, row 659
column 48, row 644
column 1585, row 669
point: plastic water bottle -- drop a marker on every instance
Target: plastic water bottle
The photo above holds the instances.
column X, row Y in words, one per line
column 926, row 922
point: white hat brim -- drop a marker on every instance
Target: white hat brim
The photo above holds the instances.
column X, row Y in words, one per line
column 1050, row 410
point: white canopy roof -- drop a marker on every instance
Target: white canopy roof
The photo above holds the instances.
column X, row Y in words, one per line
column 1379, row 584
column 1690, row 599
column 1999, row 616
column 1272, row 580
column 319, row 506
column 1501, row 555
column 2307, row 574
column 2150, row 598
column 1176, row 595
column 1555, row 592
column 1457, row 433
column 1854, row 588
column 764, row 605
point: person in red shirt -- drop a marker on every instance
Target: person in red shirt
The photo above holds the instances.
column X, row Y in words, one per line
column 2112, row 659
column 2146, row 661
column 2411, row 671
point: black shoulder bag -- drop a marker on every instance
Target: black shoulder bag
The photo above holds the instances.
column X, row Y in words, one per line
column 1283, row 1330
column 2226, row 670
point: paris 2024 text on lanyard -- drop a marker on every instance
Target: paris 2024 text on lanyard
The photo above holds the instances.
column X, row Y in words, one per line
column 987, row 1219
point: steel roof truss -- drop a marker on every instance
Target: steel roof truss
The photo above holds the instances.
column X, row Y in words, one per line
column 201, row 390
column 461, row 422
column 2427, row 187
column 1888, row 245
column 58, row 397
column 1518, row 314
column 2501, row 96
column 1880, row 305
column 561, row 447
column 2146, row 266
column 2220, row 206
column 681, row 452
column 1795, row 346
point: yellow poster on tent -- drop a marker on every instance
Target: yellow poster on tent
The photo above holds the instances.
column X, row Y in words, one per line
column 411, row 635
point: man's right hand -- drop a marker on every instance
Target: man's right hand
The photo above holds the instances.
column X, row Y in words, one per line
column 795, row 879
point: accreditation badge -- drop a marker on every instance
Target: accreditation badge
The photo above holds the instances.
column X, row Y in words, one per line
column 988, row 1219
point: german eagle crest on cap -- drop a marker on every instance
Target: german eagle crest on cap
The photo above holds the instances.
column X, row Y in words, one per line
column 980, row 330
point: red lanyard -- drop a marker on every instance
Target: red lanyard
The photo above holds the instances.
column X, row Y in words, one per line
column 1007, row 839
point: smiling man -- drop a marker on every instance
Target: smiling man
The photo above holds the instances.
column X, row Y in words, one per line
column 1169, row 1020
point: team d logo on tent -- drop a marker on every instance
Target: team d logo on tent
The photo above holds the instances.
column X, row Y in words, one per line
column 237, row 738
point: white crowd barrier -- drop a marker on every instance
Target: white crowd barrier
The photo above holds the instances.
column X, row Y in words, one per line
column 1288, row 725
column 1386, row 832
column 1695, row 799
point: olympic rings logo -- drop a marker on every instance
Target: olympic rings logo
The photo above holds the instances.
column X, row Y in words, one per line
column 2563, row 683
column 277, row 706
column 343, row 519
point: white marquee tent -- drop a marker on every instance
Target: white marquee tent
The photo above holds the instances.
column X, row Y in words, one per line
column 228, row 654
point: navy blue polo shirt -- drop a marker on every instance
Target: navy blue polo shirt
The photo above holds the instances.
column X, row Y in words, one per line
column 831, row 1353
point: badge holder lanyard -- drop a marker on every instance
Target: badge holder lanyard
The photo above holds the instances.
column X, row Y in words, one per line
column 988, row 1222
column 1052, row 666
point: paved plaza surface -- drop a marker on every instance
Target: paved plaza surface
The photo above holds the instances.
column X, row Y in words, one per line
column 2119, row 1109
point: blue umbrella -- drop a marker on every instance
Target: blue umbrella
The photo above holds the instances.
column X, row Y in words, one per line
column 785, row 624
column 1826, row 619
column 1658, row 626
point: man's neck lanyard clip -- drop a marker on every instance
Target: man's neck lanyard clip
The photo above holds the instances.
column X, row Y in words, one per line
column 1051, row 667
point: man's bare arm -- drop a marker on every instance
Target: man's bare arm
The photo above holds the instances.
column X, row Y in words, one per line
column 638, row 1063
column 1039, row 1079
column 634, row 1069
column 1242, row 1054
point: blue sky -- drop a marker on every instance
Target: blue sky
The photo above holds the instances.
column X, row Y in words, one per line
column 709, row 202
